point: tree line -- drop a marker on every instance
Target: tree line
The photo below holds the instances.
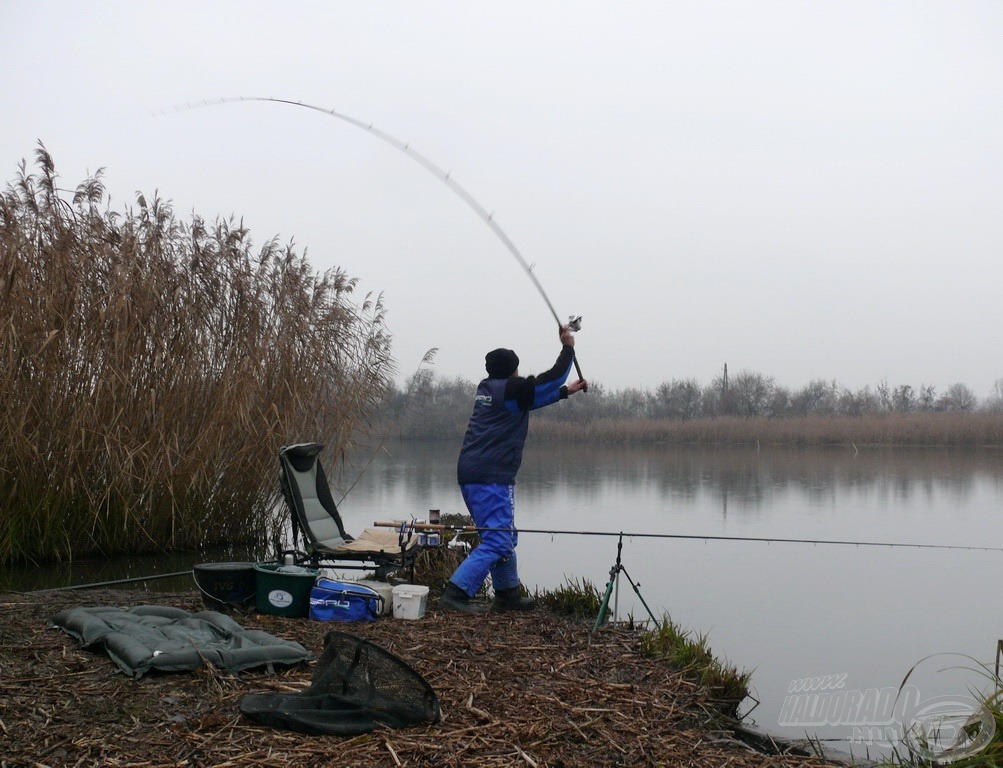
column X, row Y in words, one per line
column 428, row 406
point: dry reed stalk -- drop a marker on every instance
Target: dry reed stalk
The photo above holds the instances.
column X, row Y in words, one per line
column 150, row 369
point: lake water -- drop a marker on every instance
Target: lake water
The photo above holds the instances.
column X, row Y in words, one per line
column 830, row 629
column 807, row 619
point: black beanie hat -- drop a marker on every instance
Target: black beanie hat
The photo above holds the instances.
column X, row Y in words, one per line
column 501, row 363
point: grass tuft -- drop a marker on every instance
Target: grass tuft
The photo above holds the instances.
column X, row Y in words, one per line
column 578, row 599
column 691, row 654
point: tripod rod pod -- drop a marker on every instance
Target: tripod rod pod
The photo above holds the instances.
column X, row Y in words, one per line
column 614, row 580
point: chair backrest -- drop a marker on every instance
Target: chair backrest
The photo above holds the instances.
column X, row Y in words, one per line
column 308, row 495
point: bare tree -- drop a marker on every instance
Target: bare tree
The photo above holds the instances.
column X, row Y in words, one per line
column 677, row 399
column 958, row 397
column 817, row 396
column 994, row 403
column 884, row 395
column 779, row 403
column 751, row 392
column 927, row 400
column 860, row 402
column 904, row 398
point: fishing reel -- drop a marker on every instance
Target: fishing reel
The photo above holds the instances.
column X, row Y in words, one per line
column 574, row 323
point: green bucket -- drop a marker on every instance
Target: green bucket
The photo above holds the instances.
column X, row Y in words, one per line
column 284, row 590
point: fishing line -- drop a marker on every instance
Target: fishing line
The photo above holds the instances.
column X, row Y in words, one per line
column 427, row 358
column 424, row 162
column 695, row 536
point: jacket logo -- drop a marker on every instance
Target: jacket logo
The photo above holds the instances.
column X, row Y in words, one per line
column 482, row 400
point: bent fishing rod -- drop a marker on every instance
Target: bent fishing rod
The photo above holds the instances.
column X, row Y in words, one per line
column 693, row 536
column 574, row 323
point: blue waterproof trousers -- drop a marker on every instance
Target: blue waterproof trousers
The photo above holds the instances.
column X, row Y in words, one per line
column 491, row 506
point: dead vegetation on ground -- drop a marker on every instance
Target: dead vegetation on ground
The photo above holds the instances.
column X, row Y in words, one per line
column 515, row 689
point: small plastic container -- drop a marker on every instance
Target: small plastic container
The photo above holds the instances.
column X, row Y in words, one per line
column 409, row 601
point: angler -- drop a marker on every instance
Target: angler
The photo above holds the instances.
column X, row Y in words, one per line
column 486, row 470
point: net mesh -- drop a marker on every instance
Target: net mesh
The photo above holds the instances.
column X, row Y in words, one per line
column 356, row 686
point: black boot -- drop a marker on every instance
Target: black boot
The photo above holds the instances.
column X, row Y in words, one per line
column 511, row 599
column 455, row 599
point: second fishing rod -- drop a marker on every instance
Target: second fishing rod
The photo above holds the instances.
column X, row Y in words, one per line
column 417, row 526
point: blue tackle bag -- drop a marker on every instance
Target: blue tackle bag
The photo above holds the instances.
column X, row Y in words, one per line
column 332, row 600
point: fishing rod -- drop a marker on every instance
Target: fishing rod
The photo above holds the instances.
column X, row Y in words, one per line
column 96, row 584
column 696, row 536
column 574, row 322
column 559, row 532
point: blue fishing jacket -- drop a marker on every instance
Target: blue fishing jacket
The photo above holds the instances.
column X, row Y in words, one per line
column 496, row 433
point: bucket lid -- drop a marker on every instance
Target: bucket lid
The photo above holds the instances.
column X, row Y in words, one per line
column 410, row 589
column 225, row 567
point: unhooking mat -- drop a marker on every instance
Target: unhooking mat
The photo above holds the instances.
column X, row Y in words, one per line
column 151, row 637
column 356, row 687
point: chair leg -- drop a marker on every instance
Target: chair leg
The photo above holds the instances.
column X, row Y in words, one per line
column 405, row 563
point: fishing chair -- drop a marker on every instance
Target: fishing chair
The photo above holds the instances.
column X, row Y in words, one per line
column 314, row 514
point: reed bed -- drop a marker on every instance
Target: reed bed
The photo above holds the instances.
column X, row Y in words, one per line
column 962, row 430
column 150, row 369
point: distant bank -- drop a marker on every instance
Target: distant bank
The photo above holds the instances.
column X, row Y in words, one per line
column 955, row 430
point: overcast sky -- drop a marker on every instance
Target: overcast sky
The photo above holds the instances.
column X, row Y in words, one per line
column 801, row 189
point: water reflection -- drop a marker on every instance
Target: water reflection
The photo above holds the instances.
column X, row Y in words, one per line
column 754, row 476
column 30, row 577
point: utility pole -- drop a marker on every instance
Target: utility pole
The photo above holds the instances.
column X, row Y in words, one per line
column 725, row 397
